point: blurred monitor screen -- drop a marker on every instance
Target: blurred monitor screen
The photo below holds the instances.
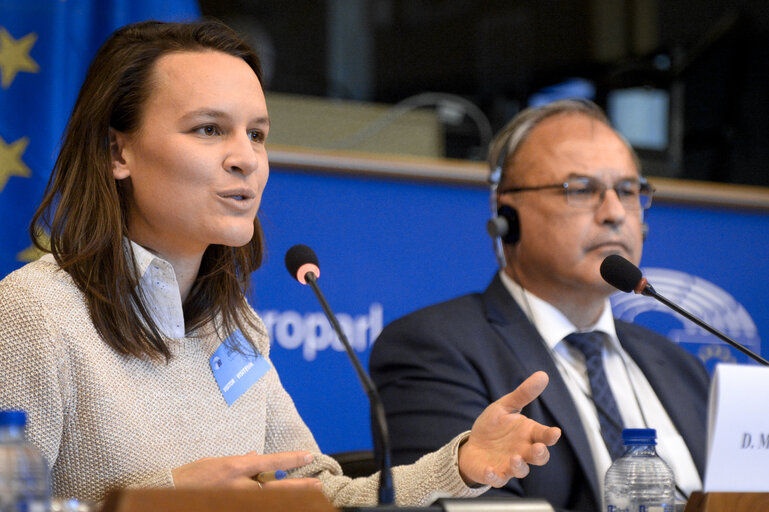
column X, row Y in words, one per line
column 641, row 115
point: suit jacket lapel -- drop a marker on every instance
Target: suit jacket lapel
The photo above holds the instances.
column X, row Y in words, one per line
column 654, row 366
column 512, row 325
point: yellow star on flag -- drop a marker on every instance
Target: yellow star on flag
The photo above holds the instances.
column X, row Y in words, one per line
column 14, row 56
column 31, row 253
column 10, row 160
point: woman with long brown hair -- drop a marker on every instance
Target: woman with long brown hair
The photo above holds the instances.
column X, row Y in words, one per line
column 119, row 342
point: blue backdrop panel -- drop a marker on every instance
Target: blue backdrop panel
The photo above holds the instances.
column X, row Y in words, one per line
column 713, row 262
column 397, row 244
column 389, row 246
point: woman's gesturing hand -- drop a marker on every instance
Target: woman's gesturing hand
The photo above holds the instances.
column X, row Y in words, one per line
column 503, row 442
column 237, row 471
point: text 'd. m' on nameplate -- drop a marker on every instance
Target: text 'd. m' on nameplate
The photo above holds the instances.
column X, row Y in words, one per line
column 738, row 430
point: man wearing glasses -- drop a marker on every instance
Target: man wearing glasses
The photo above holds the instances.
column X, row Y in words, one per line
column 571, row 192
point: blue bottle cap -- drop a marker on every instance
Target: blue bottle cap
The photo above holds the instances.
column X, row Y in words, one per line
column 13, row 418
column 632, row 436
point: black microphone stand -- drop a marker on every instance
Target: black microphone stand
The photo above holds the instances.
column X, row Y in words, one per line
column 378, row 421
column 300, row 255
column 649, row 291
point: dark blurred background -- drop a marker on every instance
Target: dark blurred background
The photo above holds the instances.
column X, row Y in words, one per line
column 687, row 81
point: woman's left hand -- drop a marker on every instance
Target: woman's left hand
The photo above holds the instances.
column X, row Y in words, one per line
column 503, row 442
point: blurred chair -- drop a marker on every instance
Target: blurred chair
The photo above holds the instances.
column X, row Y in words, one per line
column 356, row 463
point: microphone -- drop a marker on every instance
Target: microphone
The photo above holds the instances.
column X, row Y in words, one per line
column 302, row 264
column 623, row 275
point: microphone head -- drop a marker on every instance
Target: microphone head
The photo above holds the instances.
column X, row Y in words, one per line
column 300, row 260
column 620, row 273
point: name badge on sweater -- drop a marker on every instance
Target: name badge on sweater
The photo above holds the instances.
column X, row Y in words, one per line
column 235, row 372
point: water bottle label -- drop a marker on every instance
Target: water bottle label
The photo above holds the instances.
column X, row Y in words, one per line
column 641, row 508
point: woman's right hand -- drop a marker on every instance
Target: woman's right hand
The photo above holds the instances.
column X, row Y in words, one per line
column 236, row 471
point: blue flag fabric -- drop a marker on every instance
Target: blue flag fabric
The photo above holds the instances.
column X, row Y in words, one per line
column 45, row 49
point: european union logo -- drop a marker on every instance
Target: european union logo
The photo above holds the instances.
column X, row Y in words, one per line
column 45, row 49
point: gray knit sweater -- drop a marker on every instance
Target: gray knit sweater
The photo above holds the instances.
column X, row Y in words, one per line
column 104, row 420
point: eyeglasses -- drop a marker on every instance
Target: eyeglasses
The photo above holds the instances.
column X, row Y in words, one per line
column 583, row 192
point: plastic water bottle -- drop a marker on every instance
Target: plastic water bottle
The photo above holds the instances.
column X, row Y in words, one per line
column 640, row 481
column 24, row 482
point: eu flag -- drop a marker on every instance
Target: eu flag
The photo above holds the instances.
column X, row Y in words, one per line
column 45, row 49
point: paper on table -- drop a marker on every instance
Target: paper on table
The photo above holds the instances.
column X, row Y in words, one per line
column 738, row 430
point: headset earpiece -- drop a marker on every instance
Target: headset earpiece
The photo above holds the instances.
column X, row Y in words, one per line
column 513, row 232
column 503, row 227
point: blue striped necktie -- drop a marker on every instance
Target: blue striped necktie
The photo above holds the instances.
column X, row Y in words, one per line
column 591, row 346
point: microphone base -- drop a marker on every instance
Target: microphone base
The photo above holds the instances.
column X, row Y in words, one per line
column 393, row 508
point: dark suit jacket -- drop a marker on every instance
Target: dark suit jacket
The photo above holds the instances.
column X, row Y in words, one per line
column 438, row 368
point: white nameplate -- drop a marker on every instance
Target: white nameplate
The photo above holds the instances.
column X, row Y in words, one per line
column 738, row 430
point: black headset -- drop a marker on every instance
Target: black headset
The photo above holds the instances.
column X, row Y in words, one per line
column 504, row 226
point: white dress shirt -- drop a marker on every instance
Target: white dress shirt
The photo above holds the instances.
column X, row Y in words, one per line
column 158, row 282
column 637, row 402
